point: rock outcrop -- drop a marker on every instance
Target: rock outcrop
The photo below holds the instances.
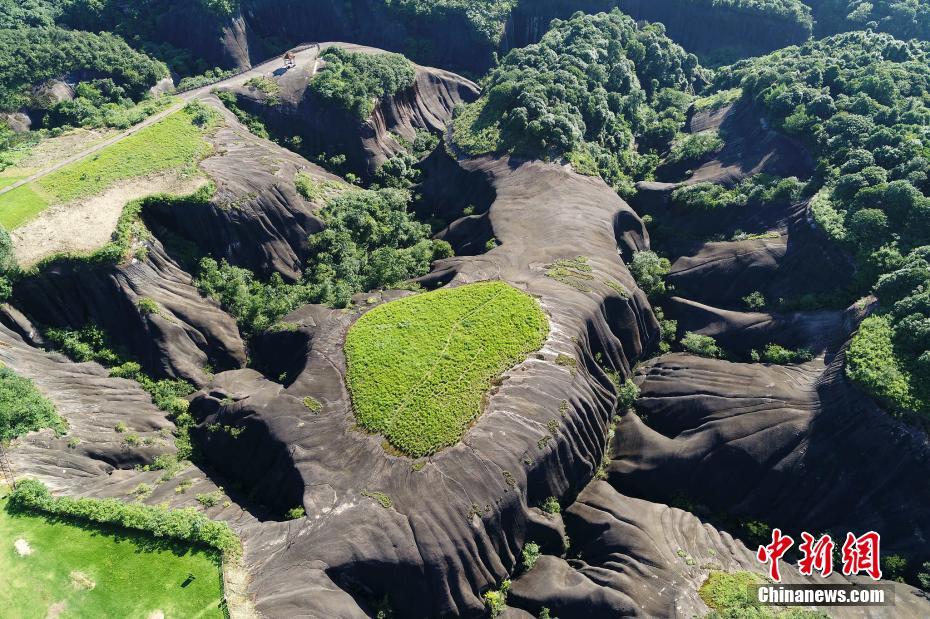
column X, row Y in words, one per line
column 444, row 546
column 633, row 558
column 256, row 218
column 186, row 334
column 296, row 111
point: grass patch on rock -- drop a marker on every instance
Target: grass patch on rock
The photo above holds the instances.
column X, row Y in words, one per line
column 733, row 596
column 171, row 143
column 92, row 571
column 23, row 409
column 419, row 367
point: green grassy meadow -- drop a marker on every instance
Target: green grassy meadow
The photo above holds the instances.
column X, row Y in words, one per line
column 172, row 143
column 19, row 206
column 418, row 367
column 86, row 571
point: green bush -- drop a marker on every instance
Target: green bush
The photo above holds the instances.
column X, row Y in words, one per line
column 754, row 300
column 185, row 525
column 551, row 506
column 354, row 81
column 757, row 190
column 627, row 394
column 7, row 261
column 702, row 345
column 649, row 271
column 23, row 408
column 295, row 513
column 872, row 364
column 530, row 555
column 773, row 353
column 695, row 146
column 496, row 599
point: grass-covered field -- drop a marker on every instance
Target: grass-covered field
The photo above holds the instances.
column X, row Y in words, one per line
column 172, row 143
column 418, row 368
column 19, row 206
column 49, row 567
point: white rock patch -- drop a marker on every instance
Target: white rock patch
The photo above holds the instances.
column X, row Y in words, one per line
column 23, row 548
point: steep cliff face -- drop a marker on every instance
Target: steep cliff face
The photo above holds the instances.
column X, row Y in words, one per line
column 261, row 29
column 186, row 335
column 256, row 219
column 296, row 111
column 444, row 38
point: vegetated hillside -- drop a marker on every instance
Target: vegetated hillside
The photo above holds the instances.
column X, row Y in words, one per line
column 449, row 33
column 598, row 90
column 716, row 30
column 904, row 19
column 859, row 101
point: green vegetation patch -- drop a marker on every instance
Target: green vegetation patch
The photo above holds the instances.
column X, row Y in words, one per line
column 19, row 205
column 872, row 364
column 23, row 409
column 418, row 368
column 29, row 56
column 171, row 143
column 355, row 81
column 598, row 90
column 753, row 191
column 486, row 16
column 733, row 596
column 92, row 571
column 371, row 241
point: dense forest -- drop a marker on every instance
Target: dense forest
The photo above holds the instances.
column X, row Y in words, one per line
column 594, row 86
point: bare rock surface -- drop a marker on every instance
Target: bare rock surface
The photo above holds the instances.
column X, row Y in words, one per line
column 186, row 335
column 93, row 404
column 633, row 558
column 797, row 446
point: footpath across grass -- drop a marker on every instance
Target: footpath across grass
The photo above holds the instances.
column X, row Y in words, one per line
column 419, row 367
column 172, row 143
column 51, row 566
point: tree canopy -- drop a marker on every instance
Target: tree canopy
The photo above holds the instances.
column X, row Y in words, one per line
column 354, row 81
column 860, row 101
column 590, row 90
